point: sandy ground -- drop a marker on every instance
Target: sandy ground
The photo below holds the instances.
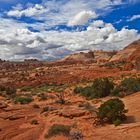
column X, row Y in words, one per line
column 21, row 129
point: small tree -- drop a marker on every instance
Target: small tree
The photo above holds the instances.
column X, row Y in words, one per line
column 102, row 87
column 112, row 111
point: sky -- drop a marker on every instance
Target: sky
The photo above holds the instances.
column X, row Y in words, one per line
column 52, row 29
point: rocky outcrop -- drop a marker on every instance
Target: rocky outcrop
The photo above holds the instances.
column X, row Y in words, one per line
column 71, row 112
column 96, row 57
column 130, row 55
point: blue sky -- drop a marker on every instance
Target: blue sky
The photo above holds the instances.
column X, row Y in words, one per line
column 51, row 29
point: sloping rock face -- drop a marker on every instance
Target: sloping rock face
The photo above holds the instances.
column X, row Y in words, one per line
column 130, row 55
column 80, row 56
column 76, row 58
column 96, row 56
column 103, row 56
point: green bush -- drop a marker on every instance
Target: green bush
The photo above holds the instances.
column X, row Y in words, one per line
column 10, row 91
column 42, row 97
column 117, row 122
column 115, row 91
column 2, row 88
column 22, row 99
column 88, row 92
column 57, row 129
column 130, row 85
column 101, row 87
column 26, row 88
column 78, row 90
column 126, row 87
column 112, row 111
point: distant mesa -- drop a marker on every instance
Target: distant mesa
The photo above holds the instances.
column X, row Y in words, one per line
column 31, row 60
column 1, row 61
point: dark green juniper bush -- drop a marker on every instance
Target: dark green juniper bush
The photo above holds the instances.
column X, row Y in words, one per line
column 127, row 87
column 22, row 99
column 101, row 87
column 112, row 111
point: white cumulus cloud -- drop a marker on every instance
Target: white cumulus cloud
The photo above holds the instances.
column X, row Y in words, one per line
column 18, row 42
column 60, row 12
column 82, row 18
column 31, row 11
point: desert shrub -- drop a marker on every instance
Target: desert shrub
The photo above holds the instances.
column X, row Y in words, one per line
column 78, row 90
column 57, row 129
column 115, row 91
column 75, row 135
column 2, row 88
column 126, row 87
column 22, row 99
column 101, row 87
column 26, row 88
column 88, row 92
column 112, row 111
column 34, row 122
column 44, row 88
column 10, row 91
column 130, row 85
column 117, row 122
column 42, row 97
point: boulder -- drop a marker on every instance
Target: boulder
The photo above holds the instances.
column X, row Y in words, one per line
column 71, row 112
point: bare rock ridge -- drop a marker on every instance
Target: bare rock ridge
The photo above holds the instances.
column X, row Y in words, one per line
column 129, row 53
column 98, row 57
